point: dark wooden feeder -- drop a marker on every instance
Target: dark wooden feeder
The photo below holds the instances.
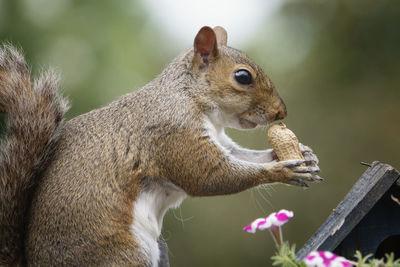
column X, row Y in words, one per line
column 368, row 218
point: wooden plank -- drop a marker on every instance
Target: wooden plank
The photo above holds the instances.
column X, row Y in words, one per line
column 374, row 182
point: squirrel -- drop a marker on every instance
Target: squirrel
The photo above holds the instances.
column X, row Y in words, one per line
column 93, row 190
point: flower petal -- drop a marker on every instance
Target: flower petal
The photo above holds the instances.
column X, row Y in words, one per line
column 274, row 219
column 313, row 260
column 255, row 225
column 281, row 217
column 325, row 259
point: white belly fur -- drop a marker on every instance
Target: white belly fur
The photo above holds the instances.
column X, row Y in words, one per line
column 148, row 212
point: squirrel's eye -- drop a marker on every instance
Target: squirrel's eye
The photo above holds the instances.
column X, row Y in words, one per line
column 243, row 77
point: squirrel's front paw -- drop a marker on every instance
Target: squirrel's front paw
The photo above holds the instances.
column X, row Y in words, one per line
column 309, row 155
column 290, row 172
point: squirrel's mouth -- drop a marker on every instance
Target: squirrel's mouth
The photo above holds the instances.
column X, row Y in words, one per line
column 247, row 124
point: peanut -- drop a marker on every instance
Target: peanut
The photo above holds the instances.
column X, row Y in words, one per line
column 284, row 142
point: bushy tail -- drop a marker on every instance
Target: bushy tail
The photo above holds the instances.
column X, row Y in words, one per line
column 34, row 114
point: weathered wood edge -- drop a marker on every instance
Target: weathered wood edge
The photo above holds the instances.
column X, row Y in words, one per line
column 374, row 182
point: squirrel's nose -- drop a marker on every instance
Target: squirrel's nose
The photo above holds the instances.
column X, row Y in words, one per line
column 281, row 113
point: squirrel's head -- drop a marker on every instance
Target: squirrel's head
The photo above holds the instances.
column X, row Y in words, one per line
column 235, row 90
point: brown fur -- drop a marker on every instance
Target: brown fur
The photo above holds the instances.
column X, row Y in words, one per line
column 34, row 119
column 82, row 210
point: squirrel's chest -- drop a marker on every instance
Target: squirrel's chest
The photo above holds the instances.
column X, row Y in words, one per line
column 148, row 211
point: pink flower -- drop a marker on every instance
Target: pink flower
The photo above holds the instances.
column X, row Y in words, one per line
column 281, row 217
column 276, row 219
column 325, row 259
column 273, row 223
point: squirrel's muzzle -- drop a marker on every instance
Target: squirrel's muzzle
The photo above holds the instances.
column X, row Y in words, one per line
column 282, row 112
column 263, row 114
column 276, row 110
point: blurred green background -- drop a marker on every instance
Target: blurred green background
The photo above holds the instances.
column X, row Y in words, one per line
column 335, row 63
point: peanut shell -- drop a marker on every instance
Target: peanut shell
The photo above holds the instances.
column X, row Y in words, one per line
column 284, row 142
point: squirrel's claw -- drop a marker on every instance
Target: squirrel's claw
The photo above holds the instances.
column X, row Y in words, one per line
column 307, row 177
column 309, row 154
column 291, row 172
column 300, row 178
column 298, row 182
column 307, row 169
column 293, row 163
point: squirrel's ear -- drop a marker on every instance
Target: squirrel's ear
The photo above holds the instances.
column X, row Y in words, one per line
column 205, row 46
column 222, row 35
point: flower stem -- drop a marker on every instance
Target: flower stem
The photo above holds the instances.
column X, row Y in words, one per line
column 276, row 235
